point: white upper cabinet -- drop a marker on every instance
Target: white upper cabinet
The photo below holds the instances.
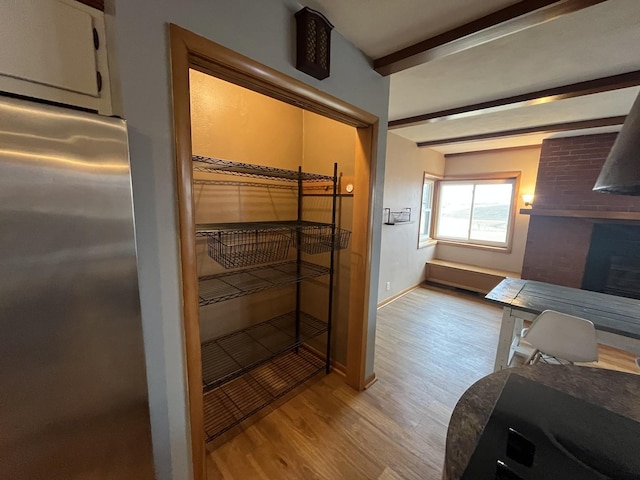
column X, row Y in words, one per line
column 54, row 50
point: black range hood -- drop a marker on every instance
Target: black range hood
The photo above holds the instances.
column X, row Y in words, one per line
column 620, row 174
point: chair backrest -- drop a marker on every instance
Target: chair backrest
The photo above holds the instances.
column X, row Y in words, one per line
column 564, row 336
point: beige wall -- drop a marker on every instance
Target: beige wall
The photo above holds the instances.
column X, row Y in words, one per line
column 524, row 160
column 401, row 261
column 326, row 141
column 234, row 123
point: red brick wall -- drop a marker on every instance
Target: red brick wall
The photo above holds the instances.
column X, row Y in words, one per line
column 557, row 247
column 568, row 170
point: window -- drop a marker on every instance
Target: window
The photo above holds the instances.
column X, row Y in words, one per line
column 425, row 211
column 476, row 211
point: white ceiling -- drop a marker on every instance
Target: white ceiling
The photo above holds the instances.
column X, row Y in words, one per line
column 379, row 27
column 532, row 139
column 607, row 104
column 598, row 41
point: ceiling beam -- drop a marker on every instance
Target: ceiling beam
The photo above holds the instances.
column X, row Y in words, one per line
column 99, row 4
column 509, row 20
column 590, row 87
column 556, row 127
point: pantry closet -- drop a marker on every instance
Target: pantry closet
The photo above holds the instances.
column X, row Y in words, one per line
column 274, row 201
column 272, row 244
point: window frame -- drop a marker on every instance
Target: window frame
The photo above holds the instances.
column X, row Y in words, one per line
column 428, row 239
column 498, row 177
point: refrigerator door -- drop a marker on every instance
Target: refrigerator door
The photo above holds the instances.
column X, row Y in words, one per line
column 73, row 394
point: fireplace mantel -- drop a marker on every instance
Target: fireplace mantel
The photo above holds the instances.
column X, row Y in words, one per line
column 611, row 215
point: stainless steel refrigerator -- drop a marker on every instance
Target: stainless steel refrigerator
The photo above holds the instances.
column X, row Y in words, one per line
column 73, row 394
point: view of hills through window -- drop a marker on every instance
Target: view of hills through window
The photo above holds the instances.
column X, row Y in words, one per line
column 477, row 212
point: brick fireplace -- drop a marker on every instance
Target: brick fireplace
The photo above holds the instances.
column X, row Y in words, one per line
column 566, row 209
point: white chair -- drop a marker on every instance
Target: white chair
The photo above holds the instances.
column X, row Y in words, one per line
column 562, row 336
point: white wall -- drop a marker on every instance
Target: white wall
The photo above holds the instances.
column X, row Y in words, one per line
column 401, row 261
column 524, row 160
column 264, row 31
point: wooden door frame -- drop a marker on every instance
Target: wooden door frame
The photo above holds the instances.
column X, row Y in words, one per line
column 189, row 50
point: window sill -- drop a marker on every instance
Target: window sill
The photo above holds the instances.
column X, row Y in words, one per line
column 489, row 248
column 427, row 243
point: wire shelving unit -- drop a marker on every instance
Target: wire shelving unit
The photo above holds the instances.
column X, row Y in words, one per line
column 247, row 369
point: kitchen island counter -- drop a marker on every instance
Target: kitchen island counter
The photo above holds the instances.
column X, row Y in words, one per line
column 615, row 391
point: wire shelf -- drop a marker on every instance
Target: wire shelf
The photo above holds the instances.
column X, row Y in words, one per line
column 235, row 401
column 229, row 285
column 235, row 245
column 206, row 229
column 242, row 249
column 216, row 165
column 227, row 357
column 317, row 239
column 403, row 216
column 226, row 183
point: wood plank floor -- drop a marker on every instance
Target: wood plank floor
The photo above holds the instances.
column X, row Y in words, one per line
column 431, row 345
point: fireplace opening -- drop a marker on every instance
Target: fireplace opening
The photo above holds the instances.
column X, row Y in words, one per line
column 613, row 262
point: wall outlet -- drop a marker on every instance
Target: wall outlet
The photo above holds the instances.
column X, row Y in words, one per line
column 388, row 287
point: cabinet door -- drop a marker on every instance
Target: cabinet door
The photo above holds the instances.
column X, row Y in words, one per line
column 48, row 51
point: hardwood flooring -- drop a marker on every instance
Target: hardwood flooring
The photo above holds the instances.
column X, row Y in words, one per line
column 431, row 345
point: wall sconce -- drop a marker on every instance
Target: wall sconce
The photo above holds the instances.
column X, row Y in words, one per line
column 527, row 198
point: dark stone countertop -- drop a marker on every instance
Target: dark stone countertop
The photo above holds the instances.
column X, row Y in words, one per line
column 616, row 391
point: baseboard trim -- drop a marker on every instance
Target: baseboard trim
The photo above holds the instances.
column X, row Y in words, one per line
column 397, row 296
column 370, row 381
column 336, row 366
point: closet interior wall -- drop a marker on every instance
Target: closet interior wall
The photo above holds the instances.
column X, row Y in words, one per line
column 325, row 141
column 233, row 123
